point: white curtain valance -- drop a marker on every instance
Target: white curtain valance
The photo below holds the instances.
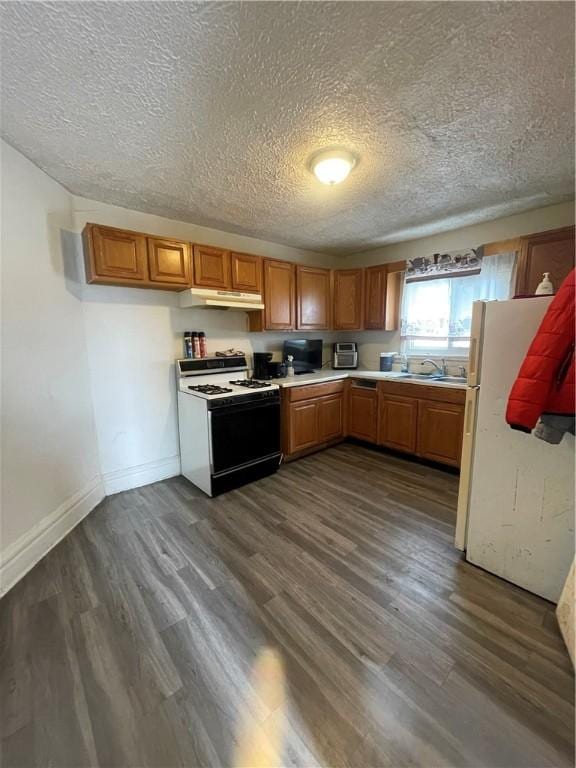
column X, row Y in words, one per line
column 442, row 265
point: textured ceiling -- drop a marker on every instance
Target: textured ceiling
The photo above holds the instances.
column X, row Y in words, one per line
column 208, row 112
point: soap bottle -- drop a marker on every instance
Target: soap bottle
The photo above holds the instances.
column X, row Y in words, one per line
column 290, row 366
column 545, row 288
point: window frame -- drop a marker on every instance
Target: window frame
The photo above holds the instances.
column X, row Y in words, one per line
column 453, row 346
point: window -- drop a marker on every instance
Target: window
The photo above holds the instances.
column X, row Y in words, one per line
column 437, row 314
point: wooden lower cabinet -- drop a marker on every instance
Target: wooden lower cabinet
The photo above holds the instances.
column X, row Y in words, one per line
column 423, row 420
column 312, row 417
column 398, row 422
column 416, row 419
column 331, row 418
column 440, row 427
column 303, row 426
column 363, row 413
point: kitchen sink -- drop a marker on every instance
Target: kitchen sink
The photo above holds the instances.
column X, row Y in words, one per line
column 434, row 377
column 452, row 379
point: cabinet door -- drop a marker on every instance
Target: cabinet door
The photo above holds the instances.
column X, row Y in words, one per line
column 440, row 427
column 116, row 255
column 211, row 267
column 279, row 295
column 246, row 272
column 552, row 252
column 394, row 282
column 331, row 418
column 303, row 425
column 375, row 300
column 348, row 299
column 313, row 298
column 362, row 414
column 169, row 261
column 398, row 423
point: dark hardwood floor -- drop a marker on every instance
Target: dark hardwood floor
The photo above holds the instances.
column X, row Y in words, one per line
column 317, row 617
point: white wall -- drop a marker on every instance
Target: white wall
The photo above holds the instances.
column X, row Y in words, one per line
column 50, row 471
column 538, row 220
column 371, row 343
column 134, row 336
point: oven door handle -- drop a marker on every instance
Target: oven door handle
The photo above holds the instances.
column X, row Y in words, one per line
column 239, row 407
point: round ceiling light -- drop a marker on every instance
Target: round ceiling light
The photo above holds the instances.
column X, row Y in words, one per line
column 332, row 166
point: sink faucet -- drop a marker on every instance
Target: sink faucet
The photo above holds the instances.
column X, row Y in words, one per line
column 440, row 368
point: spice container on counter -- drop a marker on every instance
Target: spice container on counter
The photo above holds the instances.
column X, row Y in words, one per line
column 196, row 344
column 188, row 346
column 202, row 340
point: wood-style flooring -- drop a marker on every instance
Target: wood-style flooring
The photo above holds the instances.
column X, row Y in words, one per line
column 320, row 616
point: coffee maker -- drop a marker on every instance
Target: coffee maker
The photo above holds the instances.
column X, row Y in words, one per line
column 265, row 369
column 261, row 369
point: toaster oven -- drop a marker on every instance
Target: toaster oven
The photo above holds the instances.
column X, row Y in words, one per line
column 345, row 355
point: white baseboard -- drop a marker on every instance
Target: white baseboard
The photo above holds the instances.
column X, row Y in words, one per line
column 17, row 559
column 143, row 474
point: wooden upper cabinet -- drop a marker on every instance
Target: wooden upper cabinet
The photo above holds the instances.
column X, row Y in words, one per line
column 169, row 261
column 279, row 295
column 362, row 413
column 398, row 422
column 212, row 267
column 440, row 431
column 375, row 298
column 348, row 299
column 313, row 298
column 114, row 256
column 551, row 251
column 246, row 272
column 394, row 282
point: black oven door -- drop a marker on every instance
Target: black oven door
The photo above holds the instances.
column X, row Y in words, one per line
column 244, row 433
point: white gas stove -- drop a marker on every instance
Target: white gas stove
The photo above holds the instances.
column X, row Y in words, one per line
column 218, row 377
column 229, row 424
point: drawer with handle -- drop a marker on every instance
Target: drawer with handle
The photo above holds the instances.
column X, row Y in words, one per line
column 308, row 391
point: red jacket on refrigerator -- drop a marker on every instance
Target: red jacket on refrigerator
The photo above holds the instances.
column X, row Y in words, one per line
column 545, row 382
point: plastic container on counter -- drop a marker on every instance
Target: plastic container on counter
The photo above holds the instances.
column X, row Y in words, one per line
column 386, row 360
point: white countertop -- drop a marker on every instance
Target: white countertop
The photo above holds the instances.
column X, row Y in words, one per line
column 331, row 375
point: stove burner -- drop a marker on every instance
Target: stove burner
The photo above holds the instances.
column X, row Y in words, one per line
column 250, row 383
column 210, row 389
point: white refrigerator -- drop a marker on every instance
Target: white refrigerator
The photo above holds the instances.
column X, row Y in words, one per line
column 516, row 497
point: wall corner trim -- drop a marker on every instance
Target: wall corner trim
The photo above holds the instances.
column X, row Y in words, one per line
column 21, row 556
column 142, row 474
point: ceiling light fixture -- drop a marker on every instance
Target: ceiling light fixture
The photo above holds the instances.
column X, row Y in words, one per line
column 332, row 166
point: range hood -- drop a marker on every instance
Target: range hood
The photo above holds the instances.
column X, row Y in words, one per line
column 210, row 298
